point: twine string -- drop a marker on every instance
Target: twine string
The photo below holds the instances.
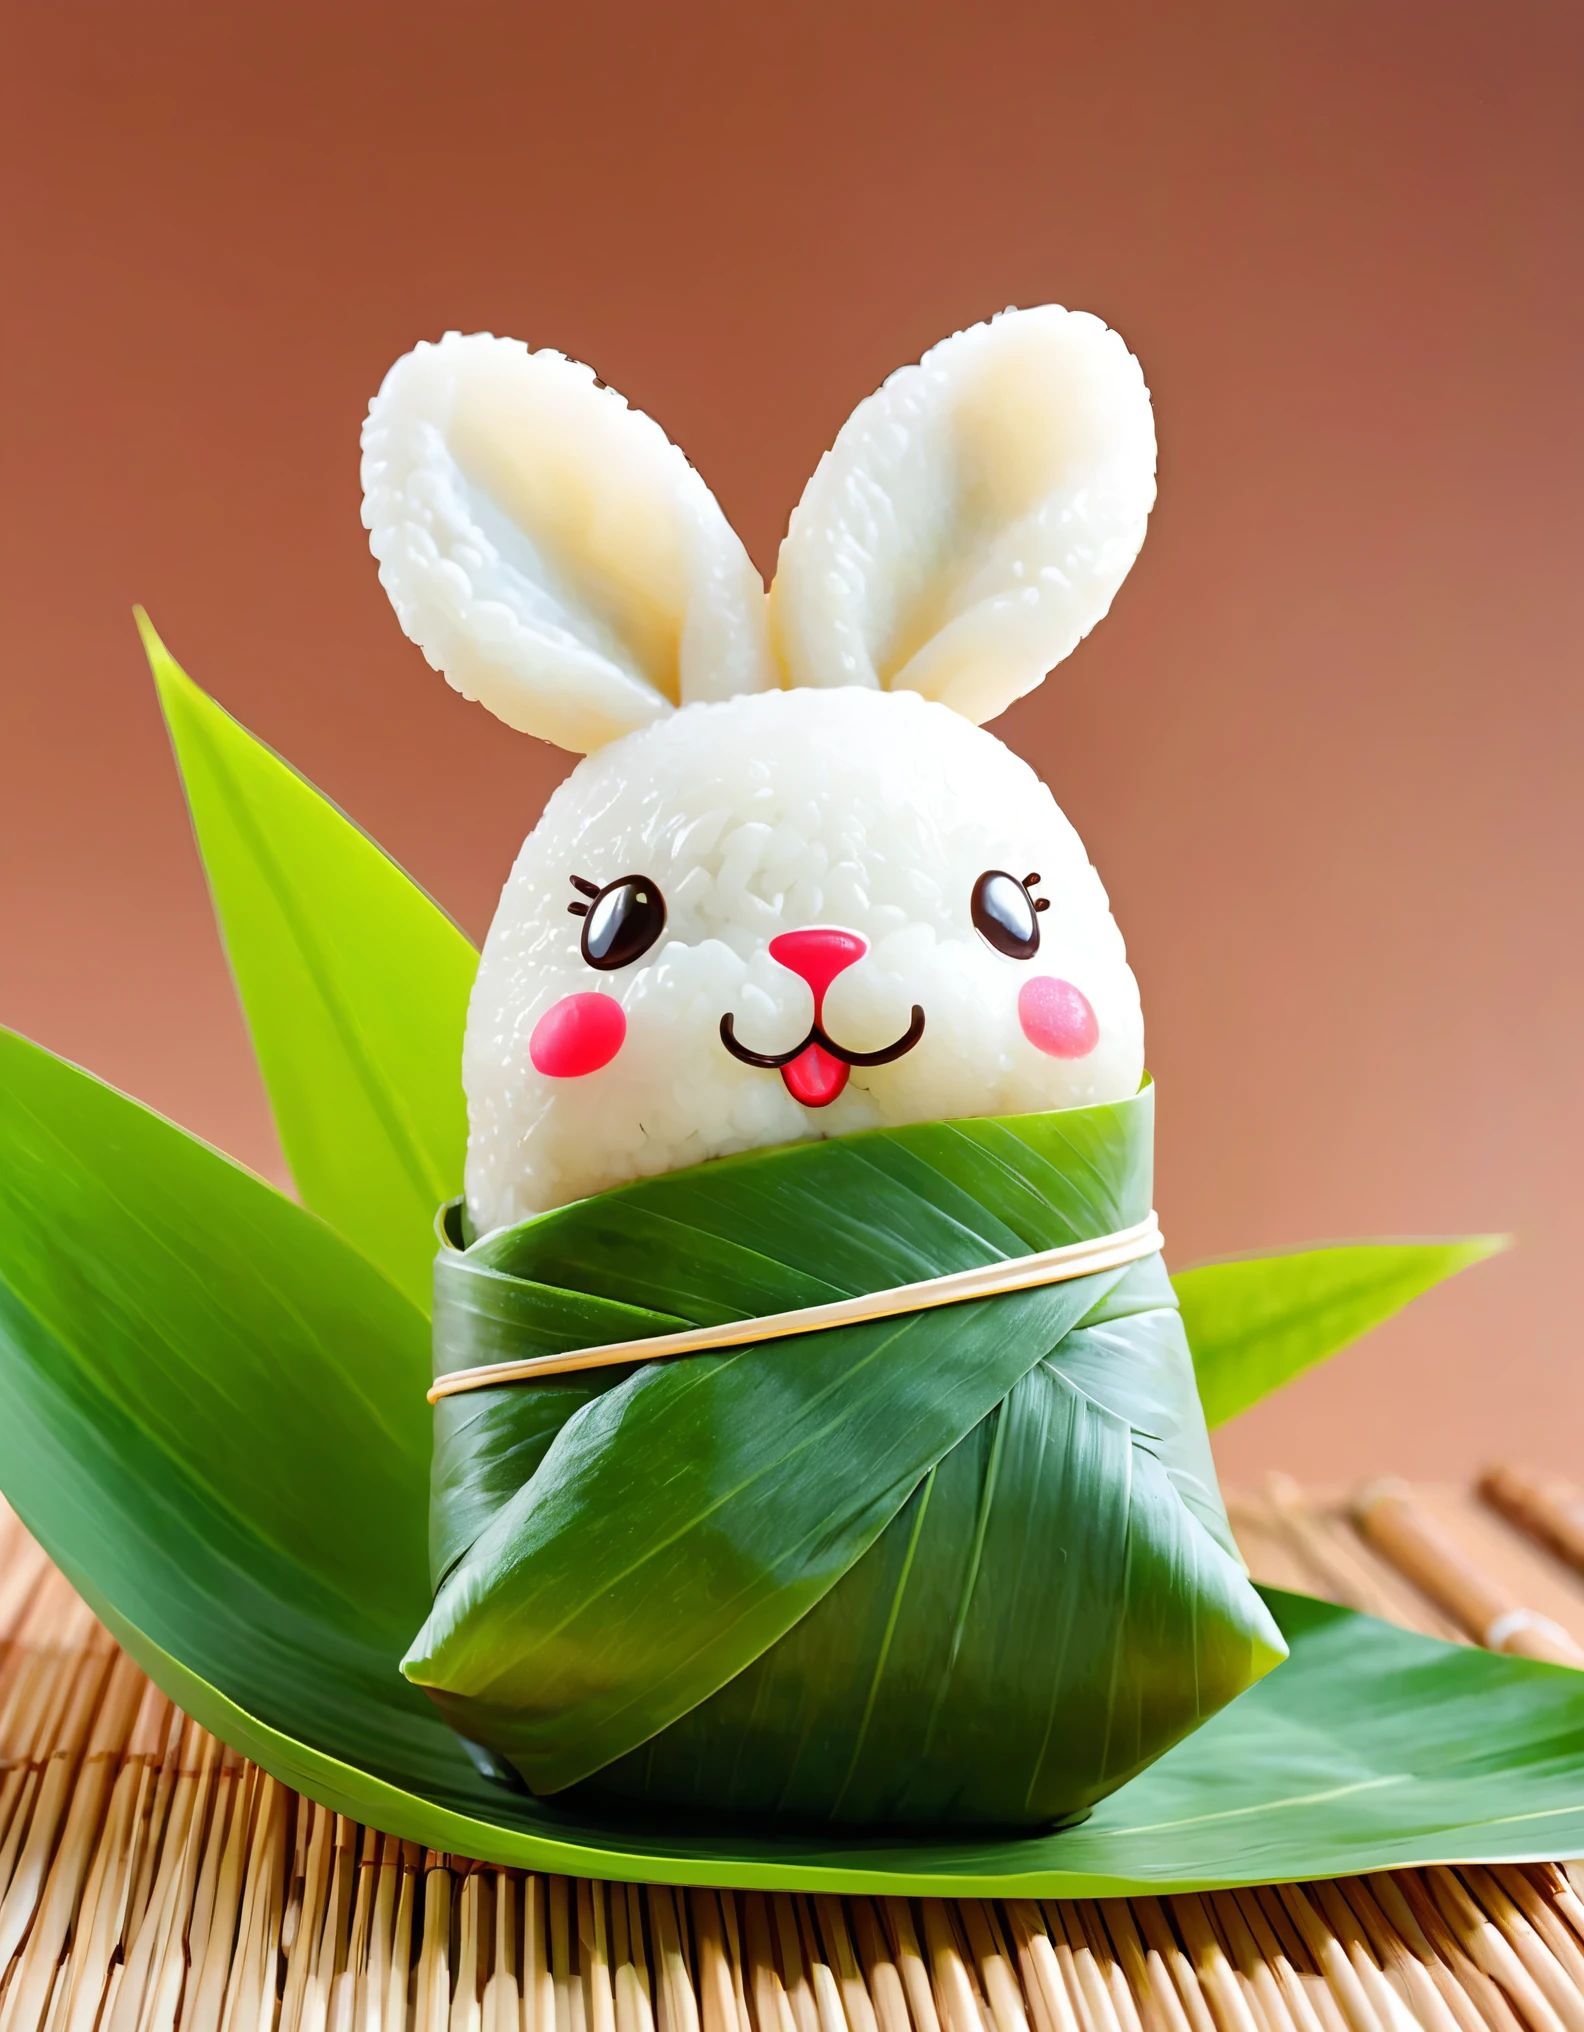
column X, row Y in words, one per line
column 958, row 1287
column 1511, row 1621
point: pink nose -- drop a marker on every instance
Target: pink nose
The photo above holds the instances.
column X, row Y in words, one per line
column 818, row 955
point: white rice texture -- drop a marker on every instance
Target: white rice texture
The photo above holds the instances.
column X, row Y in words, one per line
column 548, row 548
column 869, row 810
column 975, row 516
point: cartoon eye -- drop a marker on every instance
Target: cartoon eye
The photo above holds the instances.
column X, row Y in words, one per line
column 1005, row 915
column 621, row 921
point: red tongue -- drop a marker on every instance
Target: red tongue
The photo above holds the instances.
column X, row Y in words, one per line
column 814, row 1077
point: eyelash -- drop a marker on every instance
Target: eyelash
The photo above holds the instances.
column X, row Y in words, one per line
column 591, row 889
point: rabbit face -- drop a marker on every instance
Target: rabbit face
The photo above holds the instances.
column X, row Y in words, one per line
column 793, row 890
column 810, row 916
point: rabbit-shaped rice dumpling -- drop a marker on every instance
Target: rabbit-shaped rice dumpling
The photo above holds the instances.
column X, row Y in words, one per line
column 794, row 890
column 881, row 1563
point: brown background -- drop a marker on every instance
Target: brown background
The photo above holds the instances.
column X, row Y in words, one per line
column 1326, row 749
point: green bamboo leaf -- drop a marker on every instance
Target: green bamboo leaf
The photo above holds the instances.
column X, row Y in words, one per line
column 237, row 1386
column 211, row 1416
column 354, row 984
column 1256, row 1322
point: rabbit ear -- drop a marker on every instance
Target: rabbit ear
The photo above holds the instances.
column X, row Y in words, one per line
column 549, row 549
column 973, row 519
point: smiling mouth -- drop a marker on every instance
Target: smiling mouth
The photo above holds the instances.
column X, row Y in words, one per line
column 816, row 1070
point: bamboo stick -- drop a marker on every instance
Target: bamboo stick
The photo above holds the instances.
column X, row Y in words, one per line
column 799, row 1990
column 17, row 1790
column 1391, row 1518
column 1229, row 2004
column 594, row 1957
column 1321, row 1996
column 1494, row 1909
column 1042, row 1981
column 857, row 2004
column 43, row 1657
column 251, row 1988
column 954, row 1997
column 228, row 1796
column 98, row 1924
column 1332, row 1962
column 994, row 1967
column 672, row 1977
column 211, row 1974
column 400, row 1984
column 146, row 1960
column 1255, row 1973
column 1160, row 2007
column 374, row 1975
column 158, row 1800
column 24, row 1566
column 330, row 1988
column 1548, row 1507
column 624, row 1994
column 1079, row 2001
column 1103, row 1924
column 953, row 1910
column 30, row 1994
column 911, row 1964
column 640, row 1945
column 772, row 2008
column 1155, row 1924
column 821, row 1976
column 1219, row 1921
column 52, row 2010
column 880, row 1971
column 1482, row 1942
column 432, row 2002
column 1566, row 1879
column 1092, row 1963
column 502, row 1995
column 1404, row 1969
column 1297, row 1998
column 1387, row 1895
column 717, row 2001
column 538, row 1984
column 1389, row 2007
column 467, row 2009
column 176, row 1887
column 63, row 1733
column 732, row 1920
column 1492, row 2004
column 302, row 1951
column 1340, row 1579
column 1538, row 1910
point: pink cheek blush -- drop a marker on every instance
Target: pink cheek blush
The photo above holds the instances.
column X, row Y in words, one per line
column 577, row 1035
column 1057, row 1018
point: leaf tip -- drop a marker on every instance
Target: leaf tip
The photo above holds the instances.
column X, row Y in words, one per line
column 153, row 648
column 1471, row 1249
column 170, row 679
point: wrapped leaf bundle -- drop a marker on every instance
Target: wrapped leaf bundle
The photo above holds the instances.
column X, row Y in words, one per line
column 964, row 1565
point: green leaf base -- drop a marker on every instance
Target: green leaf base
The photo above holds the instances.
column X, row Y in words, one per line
column 1275, row 1790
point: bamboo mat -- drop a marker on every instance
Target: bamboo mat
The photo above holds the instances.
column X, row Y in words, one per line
column 153, row 1881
